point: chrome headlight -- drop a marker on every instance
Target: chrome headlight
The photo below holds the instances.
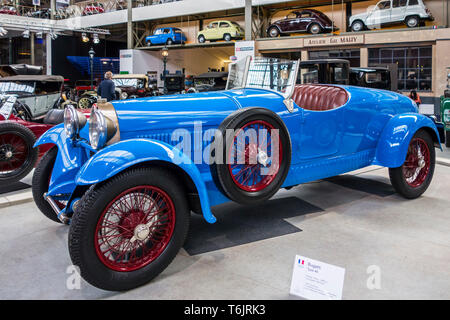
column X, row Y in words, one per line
column 101, row 129
column 74, row 121
column 124, row 95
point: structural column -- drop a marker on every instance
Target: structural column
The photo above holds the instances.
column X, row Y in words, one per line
column 32, row 49
column 48, row 53
column 248, row 20
column 364, row 57
column 129, row 24
column 304, row 55
column 52, row 9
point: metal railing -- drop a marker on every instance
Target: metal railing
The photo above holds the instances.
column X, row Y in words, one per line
column 83, row 8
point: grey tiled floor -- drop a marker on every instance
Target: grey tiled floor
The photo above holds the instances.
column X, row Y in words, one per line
column 408, row 239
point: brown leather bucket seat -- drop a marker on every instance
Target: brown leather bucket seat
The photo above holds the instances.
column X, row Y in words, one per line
column 319, row 97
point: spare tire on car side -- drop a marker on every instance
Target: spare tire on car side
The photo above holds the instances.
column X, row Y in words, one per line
column 17, row 154
column 250, row 168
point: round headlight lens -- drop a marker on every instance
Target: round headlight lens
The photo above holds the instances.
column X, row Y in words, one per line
column 124, row 95
column 70, row 121
column 97, row 127
column 101, row 129
column 74, row 121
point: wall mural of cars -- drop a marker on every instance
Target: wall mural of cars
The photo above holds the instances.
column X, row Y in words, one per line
column 221, row 30
column 308, row 20
column 410, row 12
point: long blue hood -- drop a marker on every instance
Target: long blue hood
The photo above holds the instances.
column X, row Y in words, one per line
column 166, row 113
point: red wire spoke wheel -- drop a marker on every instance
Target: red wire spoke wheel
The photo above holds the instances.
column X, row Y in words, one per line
column 13, row 152
column 17, row 155
column 256, row 156
column 128, row 230
column 417, row 164
column 412, row 179
column 250, row 160
column 135, row 228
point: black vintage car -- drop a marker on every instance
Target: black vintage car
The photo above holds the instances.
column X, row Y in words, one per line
column 308, row 20
column 371, row 77
column 209, row 81
column 324, row 71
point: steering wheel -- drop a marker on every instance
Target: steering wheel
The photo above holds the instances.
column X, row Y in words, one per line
column 21, row 111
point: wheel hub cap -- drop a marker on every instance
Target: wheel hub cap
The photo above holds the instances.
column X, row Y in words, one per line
column 250, row 166
column 135, row 228
column 141, row 232
column 262, row 157
column 417, row 164
column 8, row 154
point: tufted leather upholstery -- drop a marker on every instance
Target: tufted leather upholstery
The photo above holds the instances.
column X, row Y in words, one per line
column 319, row 97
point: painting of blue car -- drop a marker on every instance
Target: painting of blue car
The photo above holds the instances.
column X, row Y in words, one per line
column 166, row 36
column 127, row 179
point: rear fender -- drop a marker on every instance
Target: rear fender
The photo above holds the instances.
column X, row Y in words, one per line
column 396, row 137
column 120, row 156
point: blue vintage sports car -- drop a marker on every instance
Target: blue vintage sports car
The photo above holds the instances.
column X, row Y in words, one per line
column 127, row 179
column 166, row 36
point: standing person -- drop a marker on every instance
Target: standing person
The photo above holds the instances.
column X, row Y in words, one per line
column 415, row 97
column 106, row 89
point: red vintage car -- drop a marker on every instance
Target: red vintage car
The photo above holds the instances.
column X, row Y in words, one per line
column 17, row 137
column 93, row 8
column 9, row 10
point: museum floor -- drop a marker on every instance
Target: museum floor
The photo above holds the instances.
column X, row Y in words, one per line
column 353, row 221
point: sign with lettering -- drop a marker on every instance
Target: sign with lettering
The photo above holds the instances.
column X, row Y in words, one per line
column 316, row 280
column 243, row 49
column 6, row 108
column 334, row 41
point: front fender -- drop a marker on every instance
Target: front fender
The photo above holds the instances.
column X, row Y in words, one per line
column 396, row 136
column 50, row 136
column 67, row 163
column 122, row 155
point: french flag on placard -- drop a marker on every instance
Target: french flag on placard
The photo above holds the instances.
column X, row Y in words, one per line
column 300, row 261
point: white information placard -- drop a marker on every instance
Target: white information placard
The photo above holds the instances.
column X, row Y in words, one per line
column 315, row 280
column 6, row 108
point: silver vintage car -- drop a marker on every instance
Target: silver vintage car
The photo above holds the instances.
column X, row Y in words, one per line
column 36, row 94
column 412, row 13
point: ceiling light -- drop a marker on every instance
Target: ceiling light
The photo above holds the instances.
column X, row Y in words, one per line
column 84, row 37
column 3, row 32
column 26, row 34
column 39, row 35
column 95, row 38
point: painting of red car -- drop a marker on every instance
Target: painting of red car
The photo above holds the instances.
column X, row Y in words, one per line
column 308, row 20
